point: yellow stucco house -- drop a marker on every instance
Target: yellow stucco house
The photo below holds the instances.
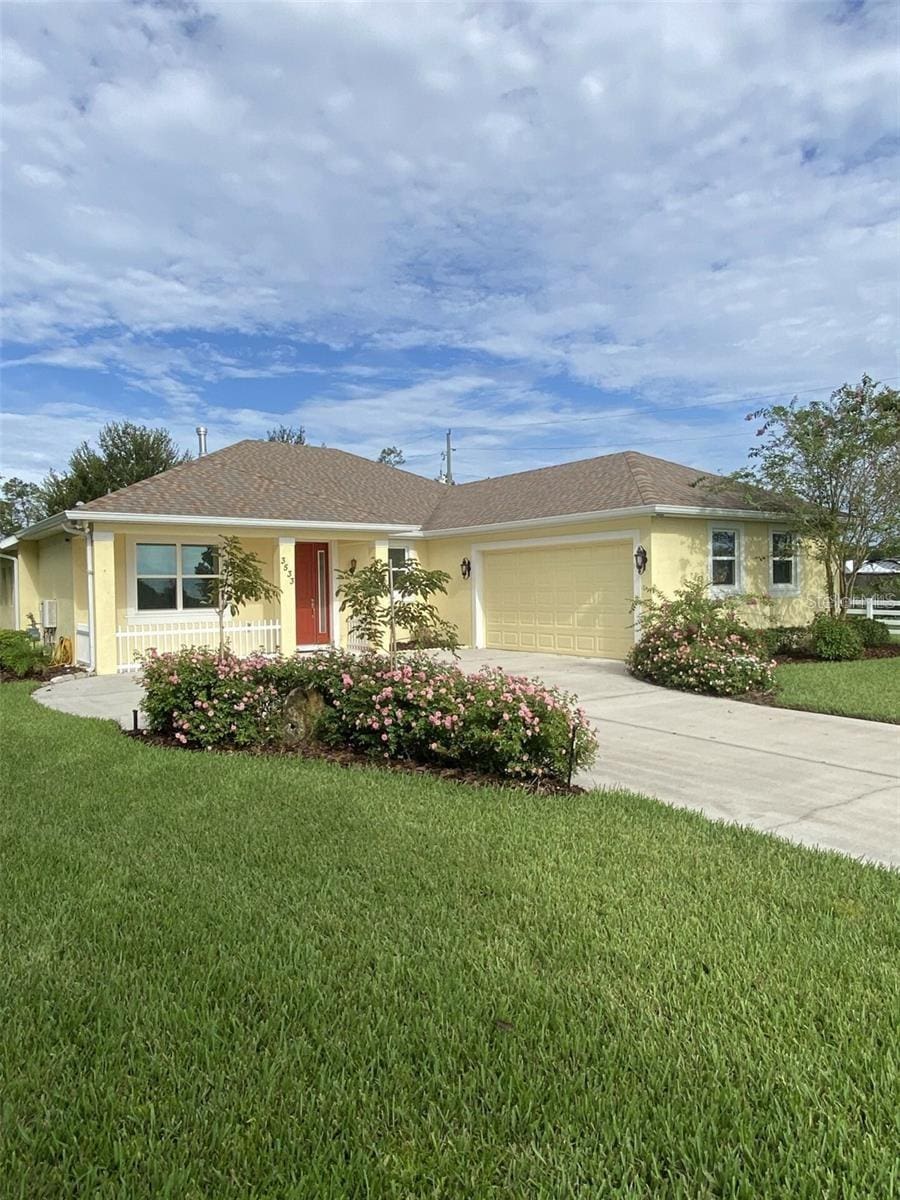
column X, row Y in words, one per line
column 544, row 560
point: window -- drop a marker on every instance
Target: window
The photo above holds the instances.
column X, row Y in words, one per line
column 723, row 568
column 783, row 557
column 397, row 556
column 172, row 576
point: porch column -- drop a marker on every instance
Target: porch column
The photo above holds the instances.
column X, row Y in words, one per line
column 381, row 553
column 29, row 591
column 284, row 577
column 106, row 658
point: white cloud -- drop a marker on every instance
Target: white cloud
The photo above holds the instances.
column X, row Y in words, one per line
column 672, row 200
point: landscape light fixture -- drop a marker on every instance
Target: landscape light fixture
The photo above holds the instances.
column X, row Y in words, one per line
column 640, row 560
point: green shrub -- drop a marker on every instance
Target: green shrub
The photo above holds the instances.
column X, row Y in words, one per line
column 783, row 639
column 698, row 644
column 20, row 656
column 835, row 639
column 417, row 709
column 872, row 632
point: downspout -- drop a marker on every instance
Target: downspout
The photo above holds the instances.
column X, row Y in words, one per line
column 15, row 562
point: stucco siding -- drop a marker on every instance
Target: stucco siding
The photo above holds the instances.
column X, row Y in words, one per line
column 55, row 581
column 680, row 548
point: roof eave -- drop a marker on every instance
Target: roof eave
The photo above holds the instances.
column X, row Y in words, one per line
column 38, row 530
column 608, row 514
column 141, row 518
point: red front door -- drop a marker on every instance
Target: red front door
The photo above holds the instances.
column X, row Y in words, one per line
column 312, row 574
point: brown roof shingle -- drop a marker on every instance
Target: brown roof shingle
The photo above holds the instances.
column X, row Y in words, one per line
column 281, row 482
column 276, row 481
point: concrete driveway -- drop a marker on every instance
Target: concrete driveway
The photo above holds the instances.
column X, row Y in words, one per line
column 823, row 781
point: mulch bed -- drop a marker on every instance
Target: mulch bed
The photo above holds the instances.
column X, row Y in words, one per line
column 43, row 676
column 353, row 759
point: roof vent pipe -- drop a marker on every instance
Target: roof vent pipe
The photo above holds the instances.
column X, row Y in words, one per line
column 201, row 440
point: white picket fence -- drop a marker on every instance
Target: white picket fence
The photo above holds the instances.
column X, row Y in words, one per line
column 243, row 637
column 878, row 608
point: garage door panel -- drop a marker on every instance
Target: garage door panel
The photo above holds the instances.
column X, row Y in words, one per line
column 572, row 599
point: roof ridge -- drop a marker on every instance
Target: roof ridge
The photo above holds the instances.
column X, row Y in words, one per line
column 372, row 462
column 640, row 477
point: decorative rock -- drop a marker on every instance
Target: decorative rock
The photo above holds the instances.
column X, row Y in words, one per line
column 301, row 711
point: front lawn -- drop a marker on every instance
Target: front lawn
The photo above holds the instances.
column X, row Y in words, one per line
column 236, row 976
column 863, row 688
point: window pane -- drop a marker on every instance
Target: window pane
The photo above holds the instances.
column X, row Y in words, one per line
column 155, row 593
column 199, row 560
column 723, row 571
column 397, row 557
column 783, row 570
column 199, row 593
column 782, row 545
column 723, row 541
column 155, row 560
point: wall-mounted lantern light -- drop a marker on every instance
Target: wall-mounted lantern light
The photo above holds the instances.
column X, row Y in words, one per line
column 465, row 568
column 640, row 560
column 352, row 566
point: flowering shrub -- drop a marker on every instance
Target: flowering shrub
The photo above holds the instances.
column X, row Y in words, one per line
column 698, row 644
column 205, row 699
column 415, row 709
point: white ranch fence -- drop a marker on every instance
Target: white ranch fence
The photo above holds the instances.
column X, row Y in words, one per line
column 878, row 608
column 243, row 637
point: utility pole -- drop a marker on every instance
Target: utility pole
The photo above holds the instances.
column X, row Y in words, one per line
column 449, row 459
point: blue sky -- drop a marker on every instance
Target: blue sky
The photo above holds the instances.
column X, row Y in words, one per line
column 559, row 229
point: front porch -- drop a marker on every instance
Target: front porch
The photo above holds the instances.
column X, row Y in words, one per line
column 152, row 589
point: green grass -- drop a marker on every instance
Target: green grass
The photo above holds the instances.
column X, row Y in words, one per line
column 868, row 688
column 237, row 977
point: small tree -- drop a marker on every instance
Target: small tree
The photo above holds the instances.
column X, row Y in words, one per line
column 392, row 455
column 833, row 468
column 240, row 581
column 287, row 433
column 382, row 599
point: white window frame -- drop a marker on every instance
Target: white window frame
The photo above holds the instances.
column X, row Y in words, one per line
column 783, row 589
column 409, row 551
column 727, row 589
column 151, row 616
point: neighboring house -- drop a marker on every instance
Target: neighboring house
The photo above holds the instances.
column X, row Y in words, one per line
column 541, row 560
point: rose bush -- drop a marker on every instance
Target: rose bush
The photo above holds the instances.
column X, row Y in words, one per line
column 415, row 709
column 697, row 643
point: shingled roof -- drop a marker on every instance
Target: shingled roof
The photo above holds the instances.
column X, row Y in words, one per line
column 277, row 481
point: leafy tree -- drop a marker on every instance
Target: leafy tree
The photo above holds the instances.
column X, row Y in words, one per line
column 287, row 433
column 240, row 581
column 381, row 599
column 21, row 504
column 126, row 453
column 392, row 455
column 834, row 468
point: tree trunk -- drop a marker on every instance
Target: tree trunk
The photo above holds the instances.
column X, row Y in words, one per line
column 392, row 624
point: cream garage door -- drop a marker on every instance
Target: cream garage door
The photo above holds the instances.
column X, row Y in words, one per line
column 563, row 599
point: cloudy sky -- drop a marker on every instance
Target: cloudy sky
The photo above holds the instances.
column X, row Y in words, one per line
column 560, row 229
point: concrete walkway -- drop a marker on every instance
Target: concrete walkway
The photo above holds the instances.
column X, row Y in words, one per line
column 823, row 781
